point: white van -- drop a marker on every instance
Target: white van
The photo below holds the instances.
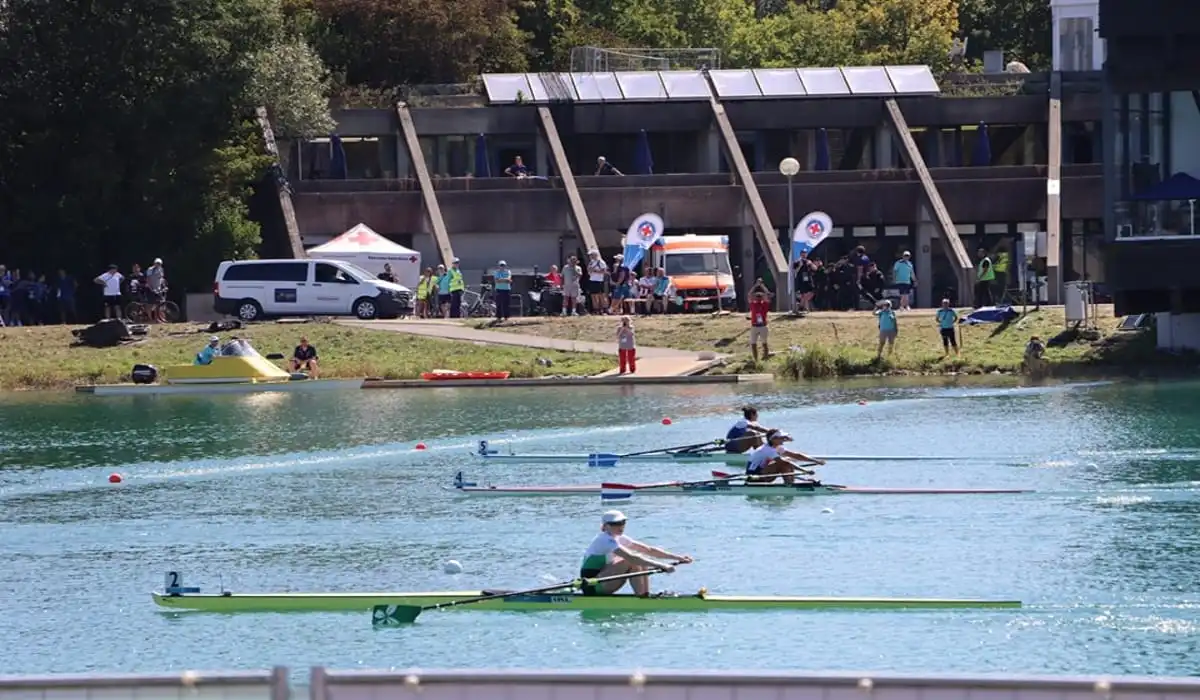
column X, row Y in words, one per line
column 254, row 290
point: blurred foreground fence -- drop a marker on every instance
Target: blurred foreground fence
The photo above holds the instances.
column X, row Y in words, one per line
column 590, row 685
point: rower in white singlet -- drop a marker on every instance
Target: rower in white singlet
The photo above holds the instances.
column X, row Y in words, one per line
column 612, row 553
column 771, row 460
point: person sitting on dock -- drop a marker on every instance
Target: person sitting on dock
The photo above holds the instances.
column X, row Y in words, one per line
column 771, row 460
column 746, row 434
column 304, row 358
column 612, row 553
column 205, row 356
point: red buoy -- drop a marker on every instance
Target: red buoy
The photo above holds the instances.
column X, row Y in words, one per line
column 666, row 421
column 420, row 446
column 114, row 478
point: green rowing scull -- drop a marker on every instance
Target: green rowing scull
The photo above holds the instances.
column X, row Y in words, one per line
column 698, row 602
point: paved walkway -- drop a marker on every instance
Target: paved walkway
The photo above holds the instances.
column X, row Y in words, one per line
column 652, row 362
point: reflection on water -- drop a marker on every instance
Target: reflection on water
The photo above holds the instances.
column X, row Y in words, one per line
column 294, row 492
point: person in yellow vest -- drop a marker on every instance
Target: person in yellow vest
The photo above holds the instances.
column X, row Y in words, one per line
column 1001, row 270
column 426, row 288
column 985, row 275
column 456, row 289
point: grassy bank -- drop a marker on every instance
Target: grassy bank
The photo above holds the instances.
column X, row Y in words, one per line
column 41, row 357
column 843, row 343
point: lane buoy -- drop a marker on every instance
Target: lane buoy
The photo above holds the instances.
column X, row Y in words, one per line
column 666, row 421
column 452, row 567
column 862, row 403
column 419, row 446
column 827, row 510
column 115, row 478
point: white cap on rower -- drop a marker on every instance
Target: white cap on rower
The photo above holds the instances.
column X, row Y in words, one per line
column 612, row 516
column 213, row 339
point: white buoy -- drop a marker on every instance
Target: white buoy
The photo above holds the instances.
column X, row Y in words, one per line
column 826, row 510
column 452, row 567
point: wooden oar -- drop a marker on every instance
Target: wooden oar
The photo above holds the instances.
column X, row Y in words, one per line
column 388, row 615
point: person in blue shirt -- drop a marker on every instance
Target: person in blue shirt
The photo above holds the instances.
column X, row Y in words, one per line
column 947, row 319
column 66, row 296
column 746, row 434
column 904, row 277
column 503, row 277
column 443, row 290
column 888, row 329
column 213, row 349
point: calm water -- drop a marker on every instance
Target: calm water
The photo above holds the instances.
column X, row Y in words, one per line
column 291, row 492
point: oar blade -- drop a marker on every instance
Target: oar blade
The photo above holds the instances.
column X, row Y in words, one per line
column 394, row 615
column 602, row 459
column 616, row 492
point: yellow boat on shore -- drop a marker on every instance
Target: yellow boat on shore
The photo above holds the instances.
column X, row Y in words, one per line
column 226, row 374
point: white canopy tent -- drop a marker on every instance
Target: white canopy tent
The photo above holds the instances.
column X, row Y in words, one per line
column 371, row 251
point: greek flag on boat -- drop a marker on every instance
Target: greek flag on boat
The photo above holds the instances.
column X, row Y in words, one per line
column 643, row 233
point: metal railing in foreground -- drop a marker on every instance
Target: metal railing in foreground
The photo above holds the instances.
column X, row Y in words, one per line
column 189, row 685
column 577, row 685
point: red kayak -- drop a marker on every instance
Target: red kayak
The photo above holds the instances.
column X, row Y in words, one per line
column 438, row 375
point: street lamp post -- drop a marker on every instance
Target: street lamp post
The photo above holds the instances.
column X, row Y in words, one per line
column 789, row 167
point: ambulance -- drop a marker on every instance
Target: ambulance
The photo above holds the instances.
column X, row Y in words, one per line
column 701, row 276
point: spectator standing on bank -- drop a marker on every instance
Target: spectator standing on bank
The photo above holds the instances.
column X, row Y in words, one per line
column 626, row 346
column 110, row 281
column 904, row 277
column 443, row 291
column 985, row 275
column 888, row 329
column 457, row 285
column 572, row 275
column 947, row 319
column 597, row 272
column 65, row 294
column 760, row 307
column 503, row 277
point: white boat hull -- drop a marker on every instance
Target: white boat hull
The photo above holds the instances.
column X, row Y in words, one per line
column 729, row 460
column 722, row 489
column 235, row 387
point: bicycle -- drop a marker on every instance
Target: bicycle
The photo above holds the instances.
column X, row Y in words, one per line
column 141, row 311
column 481, row 304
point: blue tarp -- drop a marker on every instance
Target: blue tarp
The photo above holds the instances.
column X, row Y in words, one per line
column 643, row 161
column 821, row 162
column 1178, row 186
column 990, row 314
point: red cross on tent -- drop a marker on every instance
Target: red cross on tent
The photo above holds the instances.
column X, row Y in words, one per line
column 361, row 235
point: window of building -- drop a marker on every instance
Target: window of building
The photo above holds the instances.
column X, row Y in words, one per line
column 1075, row 40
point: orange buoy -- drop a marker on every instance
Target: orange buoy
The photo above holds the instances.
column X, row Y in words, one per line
column 419, row 446
column 666, row 421
column 862, row 403
column 114, row 478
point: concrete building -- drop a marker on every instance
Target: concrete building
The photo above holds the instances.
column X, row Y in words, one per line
column 1152, row 163
column 899, row 162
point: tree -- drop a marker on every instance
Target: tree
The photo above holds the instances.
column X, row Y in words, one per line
column 1020, row 28
column 291, row 81
column 125, row 133
column 384, row 43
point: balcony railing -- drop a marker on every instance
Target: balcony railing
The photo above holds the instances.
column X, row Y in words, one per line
column 571, row 685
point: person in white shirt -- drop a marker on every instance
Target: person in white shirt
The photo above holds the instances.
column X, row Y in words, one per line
column 111, row 282
column 597, row 271
column 612, row 553
column 771, row 460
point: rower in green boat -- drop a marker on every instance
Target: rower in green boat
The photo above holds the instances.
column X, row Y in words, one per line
column 746, row 434
column 771, row 460
column 613, row 553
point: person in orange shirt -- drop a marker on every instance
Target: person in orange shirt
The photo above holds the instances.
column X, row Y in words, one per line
column 760, row 305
